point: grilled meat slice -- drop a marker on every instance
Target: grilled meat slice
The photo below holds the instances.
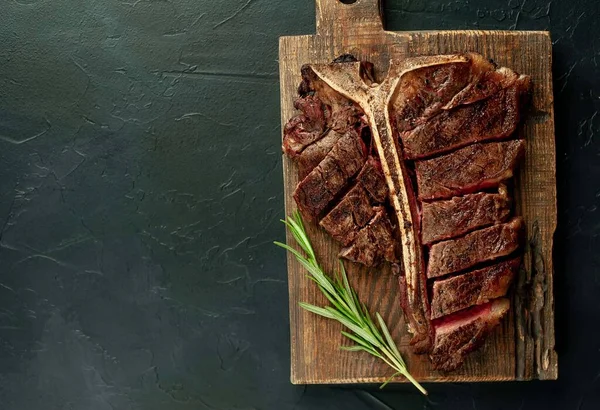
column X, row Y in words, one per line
column 306, row 128
column 322, row 109
column 470, row 169
column 372, row 179
column 352, row 213
column 315, row 153
column 341, row 113
column 373, row 243
column 328, row 179
column 472, row 288
column 494, row 118
column 487, row 244
column 484, row 86
column 423, row 92
column 355, row 209
column 459, row 215
column 458, row 334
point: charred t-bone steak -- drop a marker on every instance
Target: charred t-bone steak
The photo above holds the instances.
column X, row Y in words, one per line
column 414, row 170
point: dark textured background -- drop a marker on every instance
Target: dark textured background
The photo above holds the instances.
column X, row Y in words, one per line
column 140, row 190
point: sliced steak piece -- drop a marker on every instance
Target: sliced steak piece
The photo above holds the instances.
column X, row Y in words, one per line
column 487, row 244
column 491, row 119
column 459, row 215
column 347, row 218
column 472, row 288
column 346, row 116
column 341, row 113
column 470, row 169
column 489, row 83
column 373, row 243
column 458, row 334
column 315, row 153
column 355, row 209
column 329, row 178
column 313, row 108
column 306, row 128
column 372, row 179
column 423, row 92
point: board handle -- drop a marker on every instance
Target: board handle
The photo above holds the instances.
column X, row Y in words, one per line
column 342, row 18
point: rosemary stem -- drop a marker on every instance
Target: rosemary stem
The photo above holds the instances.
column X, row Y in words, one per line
column 414, row 382
column 370, row 336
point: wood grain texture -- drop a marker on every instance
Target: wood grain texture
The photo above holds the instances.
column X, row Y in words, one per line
column 522, row 348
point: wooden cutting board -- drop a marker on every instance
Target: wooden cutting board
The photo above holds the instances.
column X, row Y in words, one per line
column 522, row 348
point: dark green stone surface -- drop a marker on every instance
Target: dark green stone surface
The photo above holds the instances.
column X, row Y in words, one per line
column 140, row 190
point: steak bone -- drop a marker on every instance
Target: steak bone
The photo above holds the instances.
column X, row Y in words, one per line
column 353, row 80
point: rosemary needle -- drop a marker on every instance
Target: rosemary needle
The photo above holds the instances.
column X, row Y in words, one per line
column 369, row 336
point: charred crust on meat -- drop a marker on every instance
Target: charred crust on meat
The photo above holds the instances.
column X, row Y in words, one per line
column 308, row 76
column 345, row 58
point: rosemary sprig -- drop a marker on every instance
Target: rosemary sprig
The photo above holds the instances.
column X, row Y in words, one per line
column 370, row 336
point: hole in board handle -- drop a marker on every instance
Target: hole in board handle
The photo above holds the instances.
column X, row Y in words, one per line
column 347, row 1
